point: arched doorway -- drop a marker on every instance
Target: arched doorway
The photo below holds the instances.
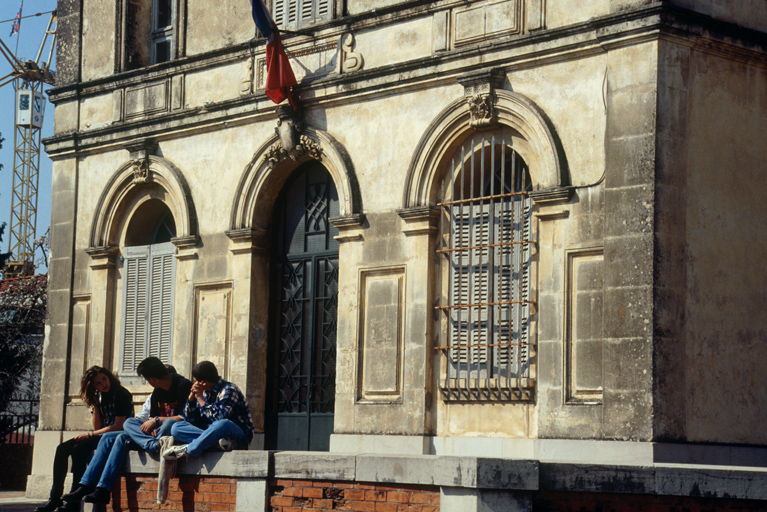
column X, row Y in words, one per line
column 303, row 305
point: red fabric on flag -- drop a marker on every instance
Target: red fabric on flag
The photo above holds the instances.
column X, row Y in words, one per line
column 279, row 74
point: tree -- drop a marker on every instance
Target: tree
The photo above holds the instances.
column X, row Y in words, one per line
column 23, row 304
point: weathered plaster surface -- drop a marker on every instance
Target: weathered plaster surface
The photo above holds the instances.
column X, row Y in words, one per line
column 726, row 280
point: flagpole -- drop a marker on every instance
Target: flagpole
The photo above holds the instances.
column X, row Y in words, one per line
column 18, row 33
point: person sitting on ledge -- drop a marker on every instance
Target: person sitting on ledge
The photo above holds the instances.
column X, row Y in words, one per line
column 110, row 405
column 166, row 402
column 215, row 413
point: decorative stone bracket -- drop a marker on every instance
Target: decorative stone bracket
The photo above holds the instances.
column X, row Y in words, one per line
column 479, row 91
column 139, row 155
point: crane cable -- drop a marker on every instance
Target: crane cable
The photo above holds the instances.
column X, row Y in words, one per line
column 28, row 16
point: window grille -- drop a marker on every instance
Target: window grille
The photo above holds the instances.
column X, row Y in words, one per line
column 487, row 246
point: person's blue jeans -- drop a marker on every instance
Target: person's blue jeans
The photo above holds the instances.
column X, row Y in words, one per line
column 199, row 439
column 107, row 462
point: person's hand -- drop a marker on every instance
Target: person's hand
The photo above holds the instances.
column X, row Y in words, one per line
column 148, row 426
column 197, row 391
column 82, row 437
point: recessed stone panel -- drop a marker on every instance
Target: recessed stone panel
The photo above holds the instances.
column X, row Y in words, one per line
column 380, row 341
column 486, row 19
column 81, row 310
column 213, row 316
column 583, row 329
column 147, row 99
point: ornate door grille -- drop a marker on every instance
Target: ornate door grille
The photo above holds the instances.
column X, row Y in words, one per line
column 487, row 244
column 304, row 348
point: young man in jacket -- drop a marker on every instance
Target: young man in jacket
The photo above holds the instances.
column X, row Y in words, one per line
column 215, row 413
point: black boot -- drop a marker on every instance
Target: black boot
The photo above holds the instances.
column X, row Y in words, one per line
column 100, row 496
column 52, row 504
column 77, row 494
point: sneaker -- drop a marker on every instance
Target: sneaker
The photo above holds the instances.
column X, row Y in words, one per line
column 164, row 443
column 174, row 452
column 78, row 494
column 227, row 444
column 52, row 505
column 101, row 496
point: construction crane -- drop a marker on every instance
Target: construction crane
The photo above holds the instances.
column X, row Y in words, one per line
column 28, row 79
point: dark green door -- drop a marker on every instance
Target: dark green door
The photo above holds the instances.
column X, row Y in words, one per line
column 302, row 355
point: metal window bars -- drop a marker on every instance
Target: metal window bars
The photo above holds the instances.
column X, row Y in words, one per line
column 487, row 243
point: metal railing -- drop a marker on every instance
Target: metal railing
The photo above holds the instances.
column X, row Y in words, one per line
column 19, row 421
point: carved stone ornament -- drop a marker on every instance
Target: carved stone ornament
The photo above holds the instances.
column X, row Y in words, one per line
column 247, row 83
column 481, row 108
column 349, row 61
column 140, row 171
column 293, row 143
column 479, row 91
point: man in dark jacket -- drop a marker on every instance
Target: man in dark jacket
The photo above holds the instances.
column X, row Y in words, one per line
column 167, row 403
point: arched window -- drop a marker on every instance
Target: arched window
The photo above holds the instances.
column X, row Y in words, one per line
column 486, row 251
column 148, row 277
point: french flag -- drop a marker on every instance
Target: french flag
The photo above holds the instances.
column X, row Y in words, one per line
column 17, row 21
column 279, row 74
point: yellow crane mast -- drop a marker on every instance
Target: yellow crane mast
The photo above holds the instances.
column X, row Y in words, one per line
column 28, row 79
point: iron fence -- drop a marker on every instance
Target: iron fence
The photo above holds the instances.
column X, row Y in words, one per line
column 19, row 421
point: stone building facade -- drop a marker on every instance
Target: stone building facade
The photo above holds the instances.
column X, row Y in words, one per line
column 505, row 249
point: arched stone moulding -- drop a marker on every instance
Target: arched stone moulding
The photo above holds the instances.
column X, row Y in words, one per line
column 450, row 128
column 151, row 176
column 264, row 177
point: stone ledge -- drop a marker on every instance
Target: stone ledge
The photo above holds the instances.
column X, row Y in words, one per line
column 664, row 480
column 314, row 466
column 236, row 464
column 472, row 473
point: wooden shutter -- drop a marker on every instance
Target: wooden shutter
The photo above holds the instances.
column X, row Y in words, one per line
column 160, row 321
column 149, row 282
column 289, row 14
column 136, row 281
column 471, row 277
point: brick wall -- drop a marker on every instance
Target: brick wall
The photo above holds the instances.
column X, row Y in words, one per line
column 593, row 502
column 203, row 494
column 295, row 495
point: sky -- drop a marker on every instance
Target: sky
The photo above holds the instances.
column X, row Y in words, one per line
column 28, row 38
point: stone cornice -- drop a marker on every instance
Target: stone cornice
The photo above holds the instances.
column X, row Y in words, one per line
column 657, row 21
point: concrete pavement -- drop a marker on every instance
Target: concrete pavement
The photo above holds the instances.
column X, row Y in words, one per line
column 16, row 501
